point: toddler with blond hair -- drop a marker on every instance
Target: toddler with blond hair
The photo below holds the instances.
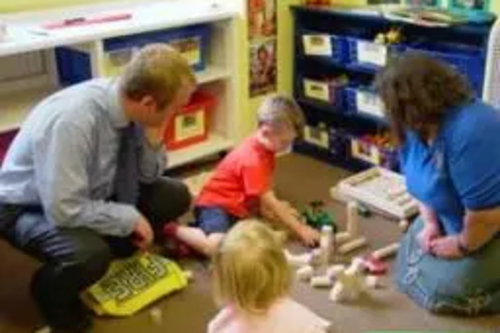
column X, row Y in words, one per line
column 252, row 281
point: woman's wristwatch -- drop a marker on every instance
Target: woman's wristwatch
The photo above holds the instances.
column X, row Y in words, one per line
column 463, row 248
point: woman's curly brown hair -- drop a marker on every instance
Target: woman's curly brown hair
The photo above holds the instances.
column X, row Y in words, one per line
column 417, row 91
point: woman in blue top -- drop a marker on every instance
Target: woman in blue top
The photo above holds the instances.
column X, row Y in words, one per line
column 449, row 143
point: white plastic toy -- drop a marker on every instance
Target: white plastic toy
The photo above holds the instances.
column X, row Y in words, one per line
column 403, row 225
column 352, row 219
column 350, row 283
column 327, row 245
column 45, row 329
column 189, row 275
column 305, row 273
column 342, row 237
column 334, row 271
column 381, row 189
column 156, row 315
column 385, row 252
column 298, row 260
column 321, row 282
column 373, row 281
column 352, row 245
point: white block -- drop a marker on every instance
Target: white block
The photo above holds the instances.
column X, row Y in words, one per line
column 352, row 245
column 45, row 329
column 396, row 191
column 317, row 258
column 403, row 199
column 305, row 273
column 342, row 237
column 321, row 282
column 352, row 219
column 338, row 293
column 316, row 253
column 357, row 266
column 373, row 281
column 156, row 316
column 385, row 252
column 298, row 260
column 189, row 275
column 335, row 270
column 403, row 224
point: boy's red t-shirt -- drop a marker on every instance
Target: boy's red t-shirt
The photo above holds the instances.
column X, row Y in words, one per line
column 240, row 179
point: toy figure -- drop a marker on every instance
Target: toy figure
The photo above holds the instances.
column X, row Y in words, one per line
column 393, row 36
column 316, row 216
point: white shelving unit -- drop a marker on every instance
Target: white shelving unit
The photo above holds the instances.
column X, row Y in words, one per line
column 18, row 95
column 213, row 145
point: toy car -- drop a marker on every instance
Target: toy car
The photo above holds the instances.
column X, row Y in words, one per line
column 316, row 216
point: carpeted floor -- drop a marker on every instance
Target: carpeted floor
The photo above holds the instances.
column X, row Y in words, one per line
column 299, row 180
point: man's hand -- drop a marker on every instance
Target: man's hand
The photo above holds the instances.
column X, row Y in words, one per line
column 308, row 236
column 446, row 247
column 142, row 235
column 429, row 233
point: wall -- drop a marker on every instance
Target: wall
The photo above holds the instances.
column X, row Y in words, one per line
column 495, row 4
column 284, row 61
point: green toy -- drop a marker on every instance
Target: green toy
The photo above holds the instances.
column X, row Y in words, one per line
column 316, row 216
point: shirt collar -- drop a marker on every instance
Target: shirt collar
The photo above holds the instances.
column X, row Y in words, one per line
column 116, row 111
column 260, row 146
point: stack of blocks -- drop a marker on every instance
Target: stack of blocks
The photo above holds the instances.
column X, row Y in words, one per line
column 346, row 283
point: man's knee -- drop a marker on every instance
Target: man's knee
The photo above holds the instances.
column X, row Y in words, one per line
column 177, row 193
column 164, row 200
column 91, row 258
column 184, row 198
column 96, row 263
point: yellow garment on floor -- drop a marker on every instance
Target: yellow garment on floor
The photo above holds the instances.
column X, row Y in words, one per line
column 132, row 283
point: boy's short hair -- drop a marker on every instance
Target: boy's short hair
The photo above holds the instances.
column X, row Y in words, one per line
column 157, row 70
column 250, row 268
column 281, row 110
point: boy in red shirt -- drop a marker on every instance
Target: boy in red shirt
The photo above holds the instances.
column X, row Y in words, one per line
column 241, row 184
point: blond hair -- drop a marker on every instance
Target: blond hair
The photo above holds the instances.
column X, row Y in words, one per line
column 250, row 268
column 157, row 70
column 279, row 110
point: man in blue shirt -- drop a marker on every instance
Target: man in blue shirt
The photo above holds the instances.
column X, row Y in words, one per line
column 82, row 180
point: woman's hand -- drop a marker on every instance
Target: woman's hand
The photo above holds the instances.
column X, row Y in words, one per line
column 431, row 230
column 429, row 233
column 446, row 247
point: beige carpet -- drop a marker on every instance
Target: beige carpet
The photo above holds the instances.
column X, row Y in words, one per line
column 299, row 180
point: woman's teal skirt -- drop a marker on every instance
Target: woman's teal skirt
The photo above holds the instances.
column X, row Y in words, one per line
column 468, row 286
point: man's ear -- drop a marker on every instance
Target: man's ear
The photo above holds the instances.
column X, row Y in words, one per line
column 149, row 102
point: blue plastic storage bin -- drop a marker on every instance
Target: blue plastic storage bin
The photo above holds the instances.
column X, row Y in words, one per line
column 315, row 141
column 323, row 91
column 323, row 45
column 466, row 59
column 368, row 55
column 75, row 66
column 364, row 101
column 192, row 42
